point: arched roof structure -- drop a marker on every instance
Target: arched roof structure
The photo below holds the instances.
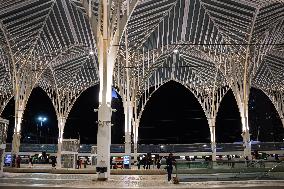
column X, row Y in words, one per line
column 52, row 39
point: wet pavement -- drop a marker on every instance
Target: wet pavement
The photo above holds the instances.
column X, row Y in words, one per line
column 46, row 180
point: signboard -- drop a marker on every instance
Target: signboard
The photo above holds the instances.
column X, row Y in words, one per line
column 126, row 160
column 8, row 159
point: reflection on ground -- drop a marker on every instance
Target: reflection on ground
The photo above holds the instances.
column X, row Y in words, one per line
column 125, row 181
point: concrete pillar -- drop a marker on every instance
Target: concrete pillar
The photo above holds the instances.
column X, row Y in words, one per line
column 128, row 104
column 103, row 142
column 17, row 131
column 213, row 144
column 135, row 148
column 59, row 150
column 3, row 136
column 106, row 59
column 128, row 113
column 2, row 150
column 16, row 143
column 243, row 109
column 246, row 138
column 135, row 139
column 61, row 124
column 213, row 138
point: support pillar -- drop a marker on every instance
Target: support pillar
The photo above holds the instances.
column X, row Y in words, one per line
column 135, row 139
column 108, row 36
column 213, row 138
column 128, row 104
column 106, row 59
column 103, row 142
column 246, row 138
column 61, row 124
column 3, row 136
column 17, row 131
column 128, row 113
column 213, row 145
column 242, row 98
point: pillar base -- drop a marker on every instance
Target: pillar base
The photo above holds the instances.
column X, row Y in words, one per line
column 214, row 164
column 58, row 159
column 247, row 153
column 103, row 173
column 58, row 165
column 102, row 179
column 103, row 150
column 128, row 148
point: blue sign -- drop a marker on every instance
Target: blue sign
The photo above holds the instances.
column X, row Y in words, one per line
column 126, row 160
column 114, row 94
column 8, row 159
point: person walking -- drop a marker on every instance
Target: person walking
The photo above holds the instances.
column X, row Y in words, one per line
column 53, row 162
column 170, row 163
column 31, row 162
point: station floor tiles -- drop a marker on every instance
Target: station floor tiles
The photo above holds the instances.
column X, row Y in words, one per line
column 78, row 181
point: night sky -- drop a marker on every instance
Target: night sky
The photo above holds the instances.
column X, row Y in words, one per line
column 172, row 115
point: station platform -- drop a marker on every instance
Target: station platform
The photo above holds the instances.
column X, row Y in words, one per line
column 46, row 168
column 81, row 181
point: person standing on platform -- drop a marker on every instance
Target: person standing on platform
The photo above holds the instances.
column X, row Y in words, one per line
column 31, row 162
column 85, row 163
column 170, row 163
column 14, row 161
column 78, row 163
column 138, row 162
column 148, row 161
column 159, row 161
column 144, row 162
column 53, row 162
column 18, row 162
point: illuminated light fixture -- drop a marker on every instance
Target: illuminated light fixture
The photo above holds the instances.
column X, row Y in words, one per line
column 91, row 52
column 42, row 119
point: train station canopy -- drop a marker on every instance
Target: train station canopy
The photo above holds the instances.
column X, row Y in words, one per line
column 200, row 43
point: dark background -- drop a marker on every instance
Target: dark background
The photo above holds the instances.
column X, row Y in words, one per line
column 172, row 115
